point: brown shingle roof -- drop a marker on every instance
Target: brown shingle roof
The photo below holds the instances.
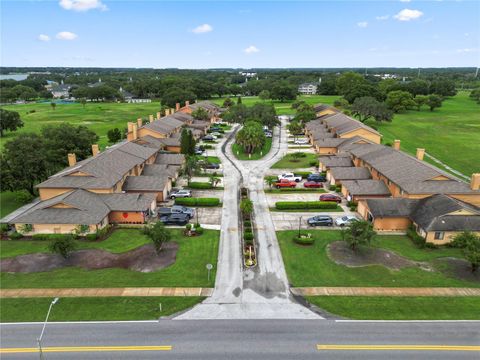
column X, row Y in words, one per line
column 366, row 187
column 350, row 173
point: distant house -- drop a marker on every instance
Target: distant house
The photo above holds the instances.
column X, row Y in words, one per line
column 308, row 88
column 60, row 91
column 130, row 98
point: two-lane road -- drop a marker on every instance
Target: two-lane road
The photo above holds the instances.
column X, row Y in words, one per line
column 246, row 340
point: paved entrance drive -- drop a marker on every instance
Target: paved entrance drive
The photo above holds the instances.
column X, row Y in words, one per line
column 264, row 291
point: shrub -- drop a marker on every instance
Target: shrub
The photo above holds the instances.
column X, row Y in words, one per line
column 303, row 205
column 323, row 173
column 332, row 188
column 23, row 196
column 63, row 246
column 313, row 163
column 247, row 230
column 303, row 174
column 207, row 202
column 188, row 226
column 338, row 188
column 304, row 240
column 207, row 147
column 249, row 241
column 199, row 230
column 43, row 237
column 15, row 236
column 247, row 236
column 416, row 239
column 91, row 237
column 247, row 224
column 200, row 185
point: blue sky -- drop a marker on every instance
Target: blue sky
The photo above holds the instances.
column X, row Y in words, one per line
column 97, row 33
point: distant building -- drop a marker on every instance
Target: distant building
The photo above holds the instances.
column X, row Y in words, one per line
column 248, row 74
column 130, row 98
column 308, row 88
column 61, row 91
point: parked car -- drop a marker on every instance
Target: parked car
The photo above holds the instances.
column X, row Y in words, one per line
column 216, row 134
column 345, row 220
column 285, row 183
column 180, row 194
column 290, row 176
column 199, row 151
column 301, row 142
column 175, row 219
column 214, row 128
column 316, row 178
column 312, row 184
column 268, row 134
column 330, row 197
column 209, row 138
column 320, row 220
column 176, row 209
column 209, row 165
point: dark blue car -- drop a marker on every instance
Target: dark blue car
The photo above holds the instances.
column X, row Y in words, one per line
column 316, row 178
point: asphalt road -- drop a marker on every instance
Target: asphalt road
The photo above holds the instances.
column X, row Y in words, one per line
column 246, row 339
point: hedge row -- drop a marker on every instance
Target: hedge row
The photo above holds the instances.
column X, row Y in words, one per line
column 293, row 205
column 304, row 240
column 197, row 201
column 200, row 185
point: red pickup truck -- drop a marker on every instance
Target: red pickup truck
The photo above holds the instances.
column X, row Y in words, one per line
column 285, row 183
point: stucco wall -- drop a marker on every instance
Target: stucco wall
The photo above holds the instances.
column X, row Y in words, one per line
column 175, row 149
column 126, row 217
column 391, row 224
column 60, row 228
column 363, row 133
column 145, row 131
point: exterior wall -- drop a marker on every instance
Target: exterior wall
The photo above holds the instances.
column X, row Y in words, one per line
column 144, row 132
column 61, row 228
column 447, row 237
column 394, row 189
column 363, row 133
column 391, row 224
column 325, row 112
column 150, row 160
column 326, row 150
column 48, row 193
column 175, row 149
column 469, row 198
column 128, row 217
column 362, row 209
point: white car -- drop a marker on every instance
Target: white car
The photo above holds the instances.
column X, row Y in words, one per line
column 290, row 176
column 345, row 220
column 301, row 142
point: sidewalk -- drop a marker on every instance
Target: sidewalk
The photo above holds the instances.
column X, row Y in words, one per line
column 384, row 291
column 105, row 292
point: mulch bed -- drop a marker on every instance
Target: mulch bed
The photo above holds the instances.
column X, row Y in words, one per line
column 342, row 254
column 142, row 259
column 457, row 268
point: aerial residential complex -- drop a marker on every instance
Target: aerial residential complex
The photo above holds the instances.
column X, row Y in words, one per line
column 393, row 189
column 120, row 185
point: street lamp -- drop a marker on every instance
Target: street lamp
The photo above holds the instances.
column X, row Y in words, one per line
column 39, row 340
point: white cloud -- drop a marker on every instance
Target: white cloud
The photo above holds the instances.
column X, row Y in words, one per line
column 467, row 50
column 362, row 24
column 201, row 29
column 383, row 17
column 43, row 37
column 405, row 0
column 66, row 35
column 82, row 5
column 408, row 14
column 251, row 49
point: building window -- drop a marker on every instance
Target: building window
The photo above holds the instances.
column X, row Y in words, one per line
column 439, row 235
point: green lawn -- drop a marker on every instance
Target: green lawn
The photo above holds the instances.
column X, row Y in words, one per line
column 89, row 308
column 240, row 153
column 400, row 308
column 289, row 162
column 284, row 108
column 99, row 117
column 320, row 211
column 211, row 159
column 449, row 133
column 310, row 265
column 189, row 269
column 8, row 203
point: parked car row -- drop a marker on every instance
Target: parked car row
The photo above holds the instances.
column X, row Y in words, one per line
column 326, row 220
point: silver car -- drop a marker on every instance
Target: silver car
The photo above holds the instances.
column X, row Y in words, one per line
column 180, row 194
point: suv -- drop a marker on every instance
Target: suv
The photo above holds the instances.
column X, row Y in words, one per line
column 175, row 219
column 320, row 220
column 290, row 176
column 330, row 197
column 316, row 178
column 301, row 142
column 176, row 209
column 285, row 183
column 180, row 194
column 345, row 220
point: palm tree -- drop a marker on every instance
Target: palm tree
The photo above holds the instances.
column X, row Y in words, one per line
column 251, row 136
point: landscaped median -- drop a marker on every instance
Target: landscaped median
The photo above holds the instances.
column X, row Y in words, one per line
column 296, row 161
column 391, row 261
column 240, row 153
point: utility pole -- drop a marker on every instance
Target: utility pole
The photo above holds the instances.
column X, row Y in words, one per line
column 39, row 340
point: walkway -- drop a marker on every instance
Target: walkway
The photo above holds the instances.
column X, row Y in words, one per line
column 263, row 292
column 384, row 291
column 105, row 292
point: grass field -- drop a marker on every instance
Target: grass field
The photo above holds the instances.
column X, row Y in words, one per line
column 316, row 268
column 240, row 153
column 289, row 162
column 8, row 203
column 90, row 309
column 450, row 133
column 188, row 270
column 400, row 308
column 99, row 117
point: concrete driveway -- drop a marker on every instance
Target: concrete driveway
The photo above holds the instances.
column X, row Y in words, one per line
column 291, row 196
column 289, row 220
column 209, row 215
